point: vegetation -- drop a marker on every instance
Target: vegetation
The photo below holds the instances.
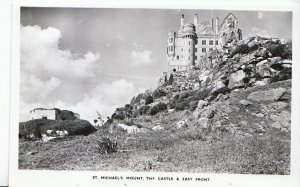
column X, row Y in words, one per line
column 158, row 108
column 38, row 127
column 282, row 75
column 243, row 49
column 149, row 99
column 159, row 93
column 280, row 50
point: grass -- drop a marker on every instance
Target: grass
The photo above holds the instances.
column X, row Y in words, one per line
column 190, row 149
column 184, row 151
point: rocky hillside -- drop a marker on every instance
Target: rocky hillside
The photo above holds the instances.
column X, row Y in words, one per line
column 247, row 84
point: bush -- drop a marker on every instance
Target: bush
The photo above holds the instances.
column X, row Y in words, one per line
column 40, row 126
column 201, row 95
column 193, row 105
column 282, row 75
column 158, row 93
column 280, row 50
column 244, row 49
column 158, row 108
column 144, row 109
column 149, row 99
column 182, row 105
column 107, row 146
column 118, row 116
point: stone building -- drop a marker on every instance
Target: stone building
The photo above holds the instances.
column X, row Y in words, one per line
column 54, row 114
column 194, row 40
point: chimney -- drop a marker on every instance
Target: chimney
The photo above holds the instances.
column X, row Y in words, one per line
column 196, row 20
column 217, row 26
column 182, row 20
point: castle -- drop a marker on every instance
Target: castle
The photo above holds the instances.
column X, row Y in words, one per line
column 193, row 40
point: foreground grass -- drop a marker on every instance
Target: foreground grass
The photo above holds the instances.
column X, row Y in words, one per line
column 184, row 151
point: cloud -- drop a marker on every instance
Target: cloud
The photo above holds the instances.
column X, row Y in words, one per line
column 32, row 88
column 258, row 31
column 104, row 98
column 41, row 55
column 141, row 57
column 260, row 15
column 120, row 37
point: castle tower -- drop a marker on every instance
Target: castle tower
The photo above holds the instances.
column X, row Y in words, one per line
column 217, row 26
column 182, row 20
column 171, row 45
column 196, row 20
column 189, row 40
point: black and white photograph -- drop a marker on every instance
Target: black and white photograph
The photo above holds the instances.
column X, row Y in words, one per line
column 155, row 90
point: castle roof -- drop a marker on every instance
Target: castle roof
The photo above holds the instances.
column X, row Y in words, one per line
column 226, row 18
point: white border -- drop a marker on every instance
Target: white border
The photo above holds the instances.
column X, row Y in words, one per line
column 39, row 178
column 5, row 89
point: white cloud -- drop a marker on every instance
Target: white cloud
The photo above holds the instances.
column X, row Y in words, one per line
column 104, row 98
column 141, row 57
column 32, row 88
column 258, row 31
column 41, row 55
column 260, row 15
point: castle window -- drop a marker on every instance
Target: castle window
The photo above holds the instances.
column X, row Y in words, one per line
column 217, row 42
column 203, row 50
column 195, row 49
column 203, row 42
column 177, row 57
column 210, row 49
column 181, row 49
column 189, row 43
column 211, row 42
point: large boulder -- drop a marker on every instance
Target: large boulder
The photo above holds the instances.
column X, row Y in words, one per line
column 236, row 79
column 218, row 84
column 202, row 104
column 268, row 95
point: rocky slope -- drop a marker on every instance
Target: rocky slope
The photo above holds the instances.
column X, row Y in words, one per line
column 244, row 86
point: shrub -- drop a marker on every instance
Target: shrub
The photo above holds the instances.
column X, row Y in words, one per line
column 31, row 130
column 201, row 94
column 144, row 109
column 118, row 116
column 149, row 99
column 107, row 146
column 182, row 105
column 193, row 105
column 282, row 75
column 280, row 50
column 158, row 108
column 136, row 112
column 40, row 126
column 244, row 49
column 158, row 93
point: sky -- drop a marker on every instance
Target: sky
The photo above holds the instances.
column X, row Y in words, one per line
column 97, row 59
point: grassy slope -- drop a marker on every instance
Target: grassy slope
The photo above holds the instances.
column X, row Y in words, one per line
column 189, row 150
